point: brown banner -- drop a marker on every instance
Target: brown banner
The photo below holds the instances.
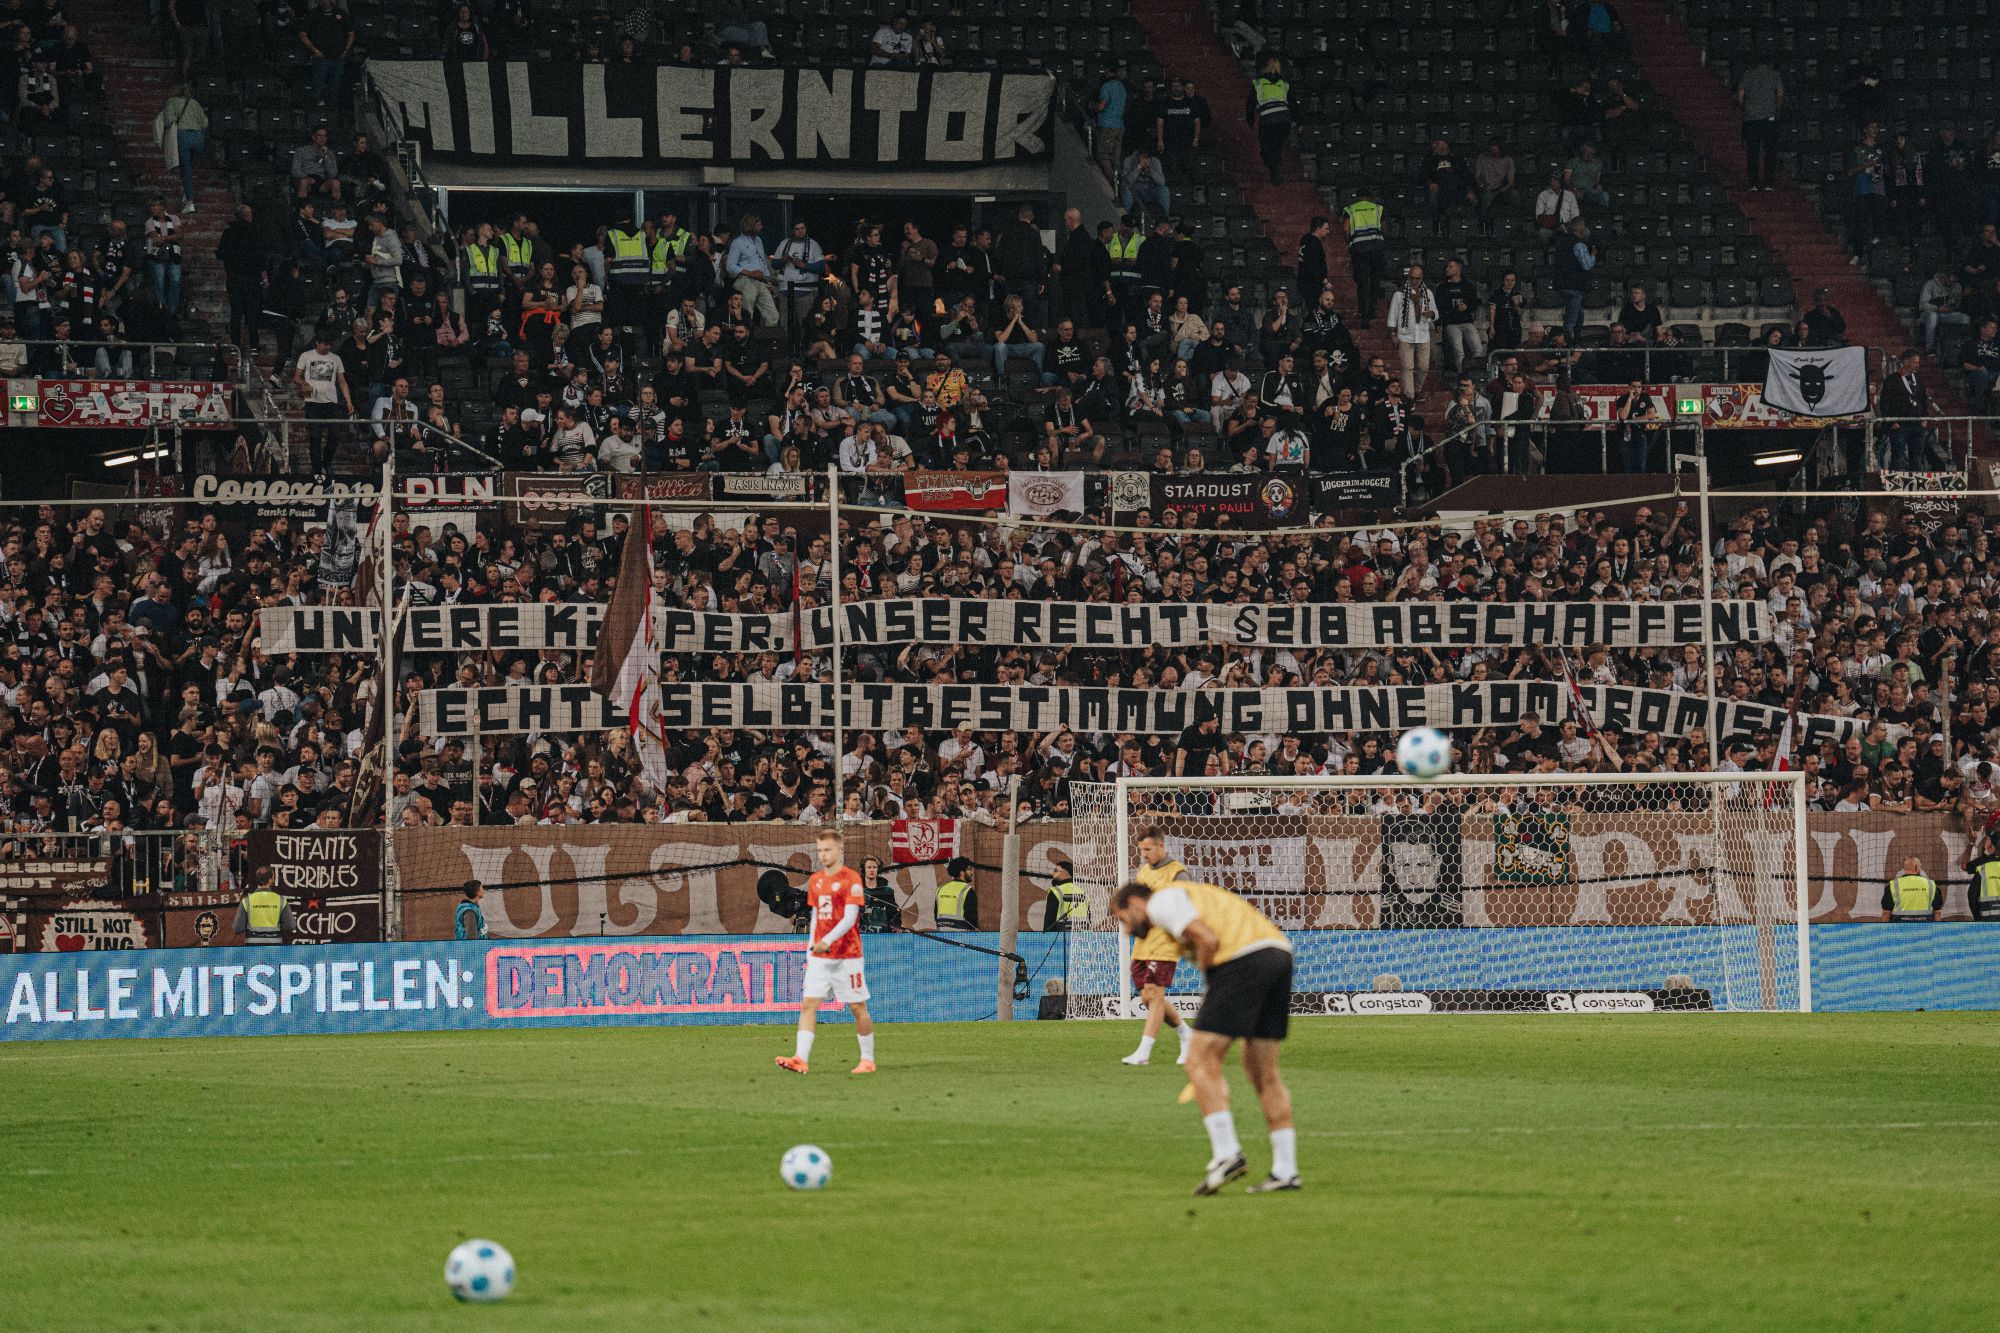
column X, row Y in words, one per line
column 622, row 880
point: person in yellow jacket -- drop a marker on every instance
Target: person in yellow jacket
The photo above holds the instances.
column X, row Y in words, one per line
column 1912, row 895
column 264, row 916
column 1247, row 962
column 1156, row 954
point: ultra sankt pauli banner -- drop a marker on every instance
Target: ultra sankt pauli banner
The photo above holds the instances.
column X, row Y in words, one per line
column 518, row 112
column 503, row 710
column 469, row 627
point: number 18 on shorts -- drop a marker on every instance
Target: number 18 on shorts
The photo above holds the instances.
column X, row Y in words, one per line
column 836, row 979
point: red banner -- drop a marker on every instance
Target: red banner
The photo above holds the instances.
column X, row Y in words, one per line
column 943, row 491
column 101, row 404
column 916, row 841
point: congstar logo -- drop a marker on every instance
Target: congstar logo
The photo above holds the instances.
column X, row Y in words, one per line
column 1391, row 1002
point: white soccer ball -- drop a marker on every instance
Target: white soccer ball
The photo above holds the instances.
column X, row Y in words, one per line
column 480, row 1270
column 806, row 1168
column 1424, row 753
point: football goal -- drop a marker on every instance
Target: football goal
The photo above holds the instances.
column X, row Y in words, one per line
column 1487, row 893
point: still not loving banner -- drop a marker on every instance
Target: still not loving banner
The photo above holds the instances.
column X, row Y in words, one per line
column 580, row 113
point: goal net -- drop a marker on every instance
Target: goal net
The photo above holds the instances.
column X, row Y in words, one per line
column 1565, row 893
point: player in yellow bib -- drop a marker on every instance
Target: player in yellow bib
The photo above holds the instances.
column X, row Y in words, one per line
column 1248, row 965
column 1156, row 954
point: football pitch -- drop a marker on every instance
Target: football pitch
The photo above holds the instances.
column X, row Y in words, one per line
column 1695, row 1171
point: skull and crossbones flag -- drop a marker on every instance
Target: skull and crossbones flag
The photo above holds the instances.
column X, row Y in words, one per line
column 1826, row 382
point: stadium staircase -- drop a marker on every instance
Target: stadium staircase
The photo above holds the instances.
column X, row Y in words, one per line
column 1672, row 63
column 1185, row 40
column 137, row 79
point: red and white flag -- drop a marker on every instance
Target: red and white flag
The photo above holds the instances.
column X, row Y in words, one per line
column 916, row 841
column 626, row 668
column 1781, row 762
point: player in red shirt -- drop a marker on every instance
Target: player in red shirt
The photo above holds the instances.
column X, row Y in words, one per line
column 833, row 971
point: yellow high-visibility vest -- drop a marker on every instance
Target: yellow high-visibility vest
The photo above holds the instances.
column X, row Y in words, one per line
column 266, row 910
column 520, row 253
column 1911, row 895
column 1365, row 217
column 1273, row 99
column 627, row 262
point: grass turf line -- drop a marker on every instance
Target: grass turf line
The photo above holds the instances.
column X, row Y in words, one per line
column 1697, row 1171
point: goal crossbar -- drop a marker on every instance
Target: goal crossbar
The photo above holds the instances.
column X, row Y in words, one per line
column 1782, row 796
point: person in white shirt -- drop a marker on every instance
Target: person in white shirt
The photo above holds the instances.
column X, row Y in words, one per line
column 1226, row 389
column 892, row 43
column 1555, row 208
column 321, row 380
column 1413, row 316
column 858, row 453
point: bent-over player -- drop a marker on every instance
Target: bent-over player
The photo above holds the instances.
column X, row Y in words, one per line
column 1248, row 964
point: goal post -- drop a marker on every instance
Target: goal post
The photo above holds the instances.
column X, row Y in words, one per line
column 1554, row 892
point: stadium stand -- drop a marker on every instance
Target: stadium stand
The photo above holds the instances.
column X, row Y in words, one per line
column 131, row 640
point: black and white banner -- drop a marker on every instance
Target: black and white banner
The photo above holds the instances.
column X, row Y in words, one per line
column 496, row 710
column 598, row 115
column 467, row 627
column 1829, row 382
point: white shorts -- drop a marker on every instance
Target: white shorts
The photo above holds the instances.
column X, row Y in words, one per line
column 838, row 979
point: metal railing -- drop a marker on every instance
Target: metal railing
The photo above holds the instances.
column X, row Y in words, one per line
column 1640, row 361
column 49, row 358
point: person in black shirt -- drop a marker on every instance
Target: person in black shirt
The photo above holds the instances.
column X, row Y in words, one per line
column 871, row 268
column 1180, row 127
column 1446, row 182
column 1068, row 357
column 1503, row 312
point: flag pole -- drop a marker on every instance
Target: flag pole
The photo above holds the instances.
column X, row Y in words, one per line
column 385, row 694
column 833, row 603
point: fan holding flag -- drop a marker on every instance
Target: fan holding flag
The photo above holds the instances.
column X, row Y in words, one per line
column 626, row 667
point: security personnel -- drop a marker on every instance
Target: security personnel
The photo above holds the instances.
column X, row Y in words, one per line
column 469, row 921
column 627, row 269
column 1270, row 110
column 485, row 274
column 1367, row 253
column 263, row 916
column 669, row 241
column 957, row 908
column 1912, row 895
column 1122, row 246
column 518, row 248
column 1067, row 908
column 1983, row 860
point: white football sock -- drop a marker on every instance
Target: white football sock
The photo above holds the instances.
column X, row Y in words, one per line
column 868, row 1048
column 1284, row 1153
column 1145, row 1050
column 1222, row 1141
column 1186, row 1029
column 805, row 1050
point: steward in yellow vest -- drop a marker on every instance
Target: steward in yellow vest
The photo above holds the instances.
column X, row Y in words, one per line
column 263, row 916
column 1912, row 895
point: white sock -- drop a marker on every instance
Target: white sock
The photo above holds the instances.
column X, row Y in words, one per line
column 1221, row 1129
column 868, row 1048
column 1186, row 1031
column 1284, row 1153
column 1145, row 1048
column 805, row 1050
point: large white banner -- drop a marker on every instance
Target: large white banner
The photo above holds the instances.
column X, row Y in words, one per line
column 501, row 710
column 1037, row 624
column 1829, row 382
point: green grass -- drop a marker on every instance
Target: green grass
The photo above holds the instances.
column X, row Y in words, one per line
column 1725, row 1172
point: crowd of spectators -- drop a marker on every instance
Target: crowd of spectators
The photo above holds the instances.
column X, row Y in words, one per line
column 134, row 694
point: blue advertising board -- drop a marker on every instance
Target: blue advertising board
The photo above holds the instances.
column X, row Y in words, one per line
column 463, row 985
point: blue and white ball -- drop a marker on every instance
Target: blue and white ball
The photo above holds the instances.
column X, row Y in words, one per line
column 1424, row 753
column 806, row 1168
column 480, row 1270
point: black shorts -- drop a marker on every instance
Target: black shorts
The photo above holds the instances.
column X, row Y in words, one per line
column 1249, row 996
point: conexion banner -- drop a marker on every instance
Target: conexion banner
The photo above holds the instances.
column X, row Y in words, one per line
column 275, row 991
